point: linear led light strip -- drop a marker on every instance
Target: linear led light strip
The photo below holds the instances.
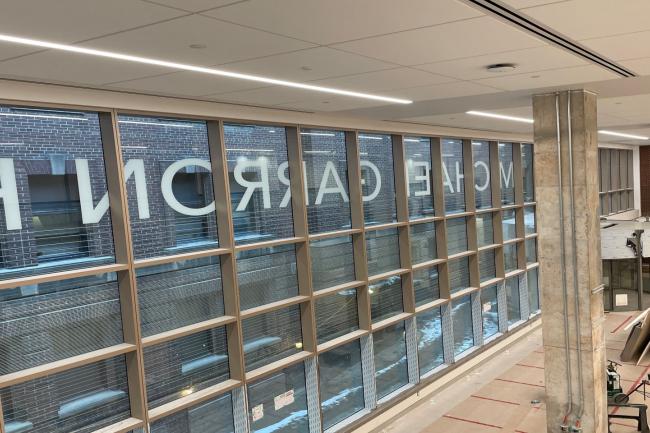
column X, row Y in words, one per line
column 527, row 120
column 193, row 68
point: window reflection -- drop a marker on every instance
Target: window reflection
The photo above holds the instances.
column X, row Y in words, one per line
column 213, row 416
column 430, row 351
column 418, row 169
column 490, row 311
column 390, row 359
column 377, row 178
column 512, row 296
column 453, row 176
column 332, row 262
column 461, row 315
column 482, row 186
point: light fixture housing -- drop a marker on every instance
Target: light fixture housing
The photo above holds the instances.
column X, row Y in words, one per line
column 200, row 69
column 623, row 135
column 500, row 116
column 501, row 67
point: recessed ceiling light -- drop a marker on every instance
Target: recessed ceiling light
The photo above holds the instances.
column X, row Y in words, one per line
column 193, row 68
column 534, row 76
column 198, row 46
column 305, row 68
column 501, row 67
column 500, row 116
column 623, row 135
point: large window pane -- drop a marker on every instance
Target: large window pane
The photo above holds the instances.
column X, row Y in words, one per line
column 266, row 275
column 453, row 176
column 54, row 203
column 271, row 336
column 391, row 371
column 490, row 311
column 382, row 250
column 418, row 168
column 529, row 220
column 458, row 274
column 178, row 294
column 531, row 250
column 332, row 262
column 430, row 352
column 213, row 416
column 278, row 403
column 425, row 284
column 533, row 290
column 336, row 315
column 377, row 178
column 527, row 171
column 506, row 170
column 169, row 185
column 615, row 169
column 485, row 229
column 512, row 296
column 510, row 257
column 81, row 400
column 509, row 222
column 180, row 367
column 328, row 202
column 46, row 322
column 487, row 266
column 482, row 187
column 423, row 243
column 341, row 383
column 259, row 182
column 461, row 315
column 386, row 298
column 456, row 235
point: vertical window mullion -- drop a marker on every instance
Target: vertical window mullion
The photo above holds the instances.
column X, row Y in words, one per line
column 225, row 228
column 116, row 184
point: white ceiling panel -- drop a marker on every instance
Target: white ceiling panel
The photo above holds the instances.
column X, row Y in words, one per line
column 69, row 21
column 621, row 47
column 307, row 65
column 527, row 61
column 554, row 78
column 265, row 96
column 462, row 120
column 638, row 66
column 440, row 91
column 326, row 22
column 74, row 69
column 474, row 37
column 387, row 79
column 583, row 19
column 224, row 42
column 194, row 5
column 185, row 84
column 521, row 4
column 331, row 103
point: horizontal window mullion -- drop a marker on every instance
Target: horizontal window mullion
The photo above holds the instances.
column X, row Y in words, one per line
column 187, row 330
column 60, row 276
column 125, row 426
column 163, row 260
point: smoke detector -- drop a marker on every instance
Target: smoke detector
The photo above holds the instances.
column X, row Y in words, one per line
column 501, row 67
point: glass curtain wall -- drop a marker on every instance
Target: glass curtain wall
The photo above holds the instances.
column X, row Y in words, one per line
column 616, row 180
column 243, row 277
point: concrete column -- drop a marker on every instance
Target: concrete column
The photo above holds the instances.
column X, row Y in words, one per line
column 580, row 257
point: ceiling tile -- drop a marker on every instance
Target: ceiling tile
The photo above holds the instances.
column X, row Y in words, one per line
column 265, row 96
column 462, row 120
column 528, row 60
column 556, row 77
column 308, row 65
column 387, row 79
column 440, row 91
column 194, row 5
column 583, row 19
column 67, row 21
column 185, row 84
column 224, row 42
column 638, row 66
column 326, row 22
column 331, row 103
column 475, row 37
column 522, row 4
column 74, row 68
column 620, row 47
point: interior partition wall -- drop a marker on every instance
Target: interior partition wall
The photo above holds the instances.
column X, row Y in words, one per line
column 200, row 275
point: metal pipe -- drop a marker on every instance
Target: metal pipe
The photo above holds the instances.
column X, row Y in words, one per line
column 565, row 297
column 574, row 245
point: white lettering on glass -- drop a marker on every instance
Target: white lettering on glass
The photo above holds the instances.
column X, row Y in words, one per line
column 168, row 193
column 9, row 194
column 330, row 183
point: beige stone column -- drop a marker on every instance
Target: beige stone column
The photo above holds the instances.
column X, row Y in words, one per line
column 567, row 203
